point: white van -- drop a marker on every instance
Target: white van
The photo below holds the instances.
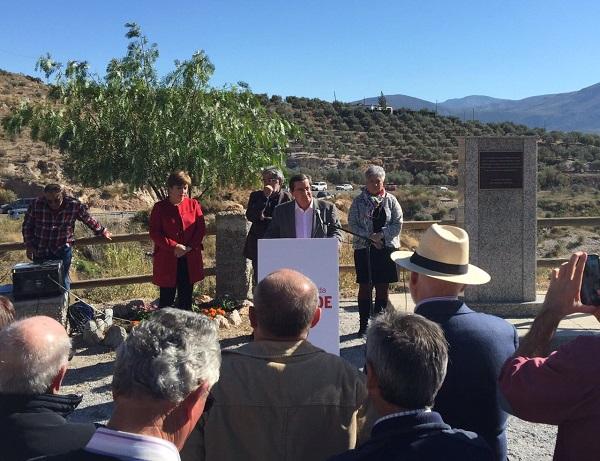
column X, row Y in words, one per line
column 319, row 185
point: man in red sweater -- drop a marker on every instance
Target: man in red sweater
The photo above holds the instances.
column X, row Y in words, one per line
column 560, row 388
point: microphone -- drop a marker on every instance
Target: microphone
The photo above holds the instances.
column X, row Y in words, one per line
column 320, row 219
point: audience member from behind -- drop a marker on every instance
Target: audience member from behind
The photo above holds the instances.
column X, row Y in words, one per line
column 406, row 364
column 7, row 312
column 479, row 344
column 34, row 356
column 163, row 375
column 560, row 388
column 279, row 396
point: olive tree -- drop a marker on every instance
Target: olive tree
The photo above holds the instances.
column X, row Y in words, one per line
column 135, row 127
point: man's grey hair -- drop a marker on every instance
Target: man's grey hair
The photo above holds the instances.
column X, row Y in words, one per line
column 409, row 355
column 375, row 171
column 274, row 171
column 29, row 370
column 167, row 356
column 285, row 302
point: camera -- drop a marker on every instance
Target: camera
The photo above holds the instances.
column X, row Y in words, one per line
column 590, row 286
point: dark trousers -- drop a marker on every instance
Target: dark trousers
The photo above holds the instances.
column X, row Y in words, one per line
column 65, row 254
column 183, row 289
column 254, row 272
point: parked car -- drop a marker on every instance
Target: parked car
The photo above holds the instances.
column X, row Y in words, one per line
column 391, row 187
column 344, row 186
column 319, row 185
column 21, row 204
column 16, row 213
column 324, row 194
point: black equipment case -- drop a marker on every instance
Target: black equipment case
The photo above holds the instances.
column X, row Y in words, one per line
column 31, row 280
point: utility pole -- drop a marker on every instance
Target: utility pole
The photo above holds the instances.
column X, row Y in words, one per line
column 473, row 114
column 334, row 97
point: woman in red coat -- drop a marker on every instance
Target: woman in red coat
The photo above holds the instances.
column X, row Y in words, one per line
column 177, row 229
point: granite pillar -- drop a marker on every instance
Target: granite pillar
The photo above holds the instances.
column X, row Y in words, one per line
column 497, row 207
column 233, row 271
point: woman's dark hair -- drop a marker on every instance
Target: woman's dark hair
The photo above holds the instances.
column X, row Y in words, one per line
column 179, row 178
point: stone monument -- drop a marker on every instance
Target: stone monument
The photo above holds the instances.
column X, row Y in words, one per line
column 497, row 207
column 233, row 270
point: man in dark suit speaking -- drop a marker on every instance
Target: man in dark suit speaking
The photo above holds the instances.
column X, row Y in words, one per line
column 479, row 344
column 305, row 217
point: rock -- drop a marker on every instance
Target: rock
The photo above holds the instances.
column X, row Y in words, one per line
column 247, row 303
column 108, row 316
column 136, row 304
column 115, row 336
column 121, row 311
column 202, row 299
column 222, row 321
column 92, row 334
column 102, row 326
column 234, row 318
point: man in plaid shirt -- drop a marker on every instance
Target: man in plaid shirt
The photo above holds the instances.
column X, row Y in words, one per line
column 49, row 225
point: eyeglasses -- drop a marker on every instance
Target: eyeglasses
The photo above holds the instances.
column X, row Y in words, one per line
column 270, row 179
column 53, row 201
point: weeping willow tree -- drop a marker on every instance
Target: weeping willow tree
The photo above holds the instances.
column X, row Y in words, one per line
column 134, row 127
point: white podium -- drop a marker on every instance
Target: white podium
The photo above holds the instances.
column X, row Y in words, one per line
column 318, row 260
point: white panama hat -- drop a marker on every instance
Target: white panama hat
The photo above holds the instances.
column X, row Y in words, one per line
column 443, row 253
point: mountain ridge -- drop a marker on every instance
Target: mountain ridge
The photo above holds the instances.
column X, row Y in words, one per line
column 571, row 111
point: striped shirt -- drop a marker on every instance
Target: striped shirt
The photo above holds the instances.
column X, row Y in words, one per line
column 47, row 231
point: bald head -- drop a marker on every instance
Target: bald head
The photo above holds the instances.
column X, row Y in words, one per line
column 33, row 352
column 285, row 302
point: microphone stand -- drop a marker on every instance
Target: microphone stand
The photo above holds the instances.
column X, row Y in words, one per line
column 369, row 242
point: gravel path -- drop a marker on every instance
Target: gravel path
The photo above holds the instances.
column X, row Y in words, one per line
column 91, row 371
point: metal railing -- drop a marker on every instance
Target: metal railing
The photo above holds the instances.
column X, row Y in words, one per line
column 210, row 271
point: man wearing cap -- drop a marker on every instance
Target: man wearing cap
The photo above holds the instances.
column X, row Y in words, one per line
column 478, row 343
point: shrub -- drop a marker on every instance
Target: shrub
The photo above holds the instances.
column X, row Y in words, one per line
column 7, row 196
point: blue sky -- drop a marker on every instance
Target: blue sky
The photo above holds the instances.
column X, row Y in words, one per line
column 433, row 50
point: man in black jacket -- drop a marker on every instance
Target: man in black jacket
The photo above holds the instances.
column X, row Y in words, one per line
column 406, row 364
column 34, row 356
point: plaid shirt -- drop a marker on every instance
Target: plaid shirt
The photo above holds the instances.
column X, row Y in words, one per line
column 48, row 231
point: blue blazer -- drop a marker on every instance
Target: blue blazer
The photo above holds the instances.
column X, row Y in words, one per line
column 419, row 437
column 479, row 344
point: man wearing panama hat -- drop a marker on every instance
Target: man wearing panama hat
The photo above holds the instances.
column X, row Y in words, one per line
column 478, row 343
